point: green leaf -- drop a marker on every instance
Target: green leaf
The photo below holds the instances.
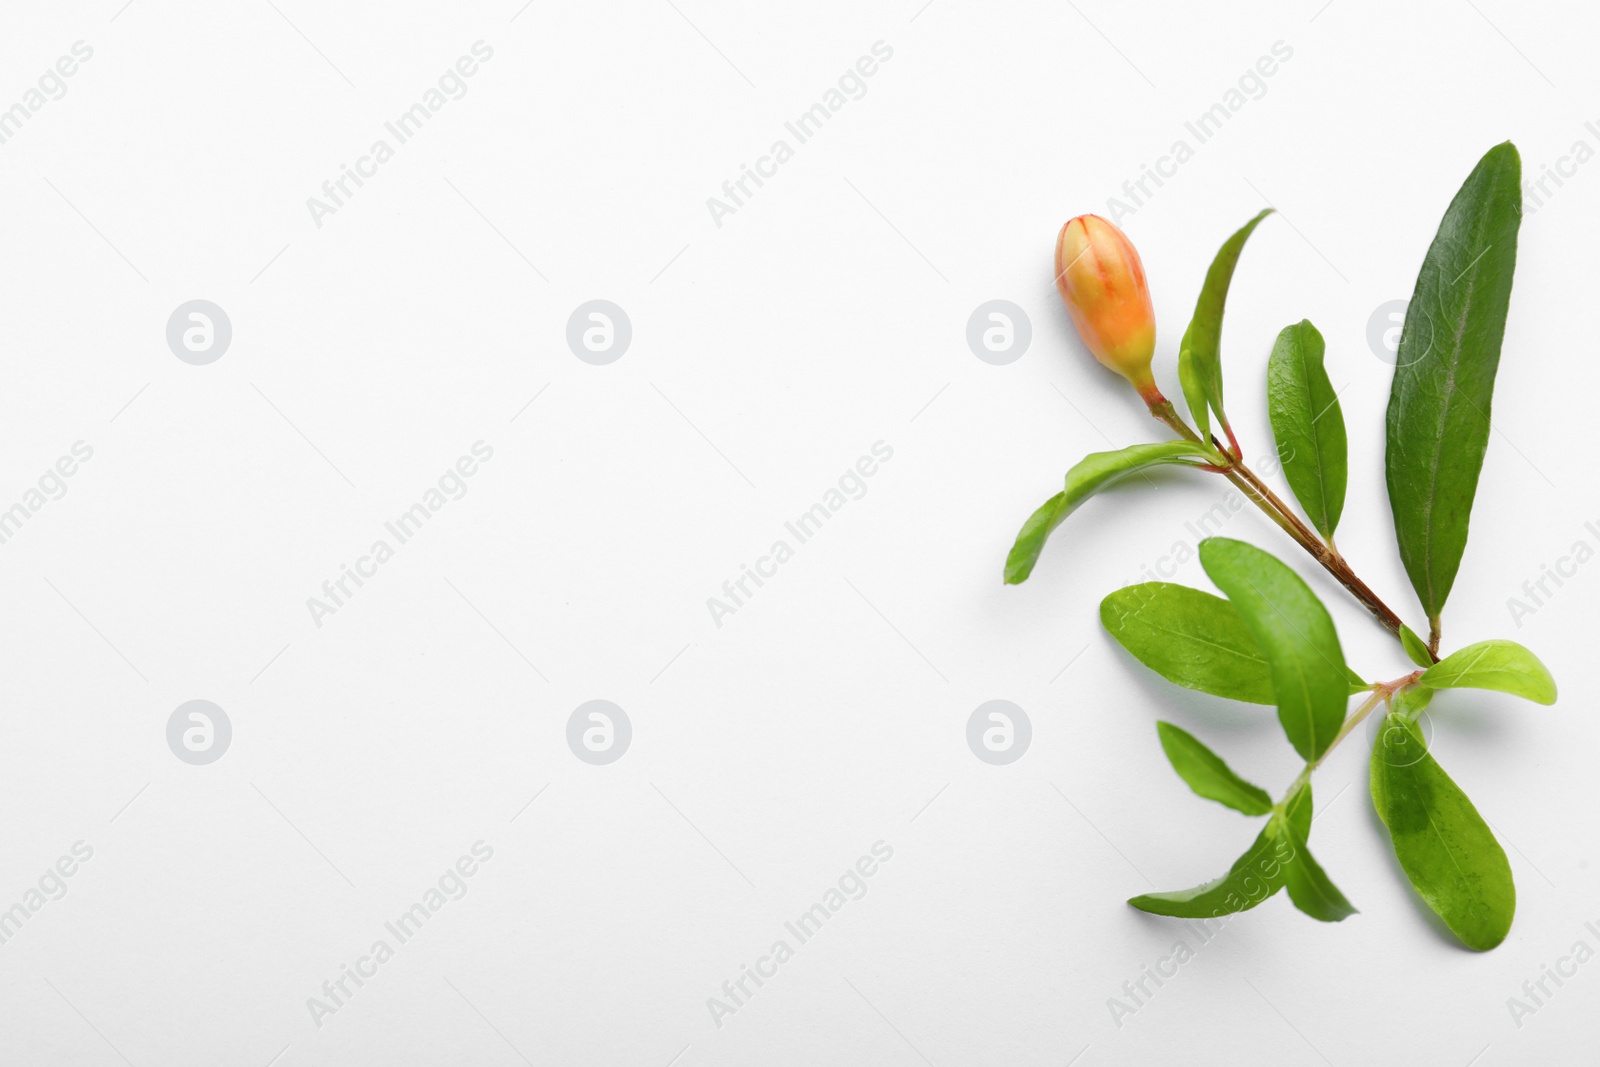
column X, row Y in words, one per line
column 1194, row 394
column 1199, row 354
column 1297, row 810
column 1295, row 633
column 1308, row 425
column 1357, row 683
column 1416, row 648
column 1190, row 638
column 1438, row 423
column 1310, row 888
column 1445, row 847
column 1504, row 666
column 1254, row 877
column 1411, row 702
column 1208, row 775
column 1093, row 473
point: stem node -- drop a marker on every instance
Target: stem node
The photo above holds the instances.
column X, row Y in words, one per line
column 1231, row 466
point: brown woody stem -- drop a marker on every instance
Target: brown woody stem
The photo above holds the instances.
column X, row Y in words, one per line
column 1233, row 468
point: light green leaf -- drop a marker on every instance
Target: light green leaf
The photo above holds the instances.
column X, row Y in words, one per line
column 1504, row 666
column 1254, row 877
column 1199, row 354
column 1411, row 702
column 1308, row 425
column 1357, row 683
column 1093, row 473
column 1438, row 422
column 1310, row 888
column 1295, row 633
column 1443, row 844
column 1416, row 648
column 1208, row 775
column 1190, row 638
column 1194, row 394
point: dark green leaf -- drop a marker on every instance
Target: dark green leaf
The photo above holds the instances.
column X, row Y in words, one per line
column 1254, row 877
column 1092, row 473
column 1208, row 775
column 1438, row 423
column 1310, row 888
column 1308, row 424
column 1445, row 847
column 1295, row 633
column 1416, row 648
column 1504, row 666
column 1190, row 638
column 1199, row 354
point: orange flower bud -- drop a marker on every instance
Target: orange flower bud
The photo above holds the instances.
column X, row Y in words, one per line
column 1102, row 283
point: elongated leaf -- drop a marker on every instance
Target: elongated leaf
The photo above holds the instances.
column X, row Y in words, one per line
column 1295, row 633
column 1190, row 638
column 1093, row 473
column 1298, row 811
column 1445, row 847
column 1438, row 422
column 1504, row 666
column 1254, row 877
column 1416, row 648
column 1312, row 891
column 1208, row 775
column 1200, row 352
column 1194, row 394
column 1310, row 888
column 1308, row 424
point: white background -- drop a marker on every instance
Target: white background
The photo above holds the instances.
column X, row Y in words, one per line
column 768, row 354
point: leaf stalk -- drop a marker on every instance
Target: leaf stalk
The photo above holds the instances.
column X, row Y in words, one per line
column 1382, row 693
